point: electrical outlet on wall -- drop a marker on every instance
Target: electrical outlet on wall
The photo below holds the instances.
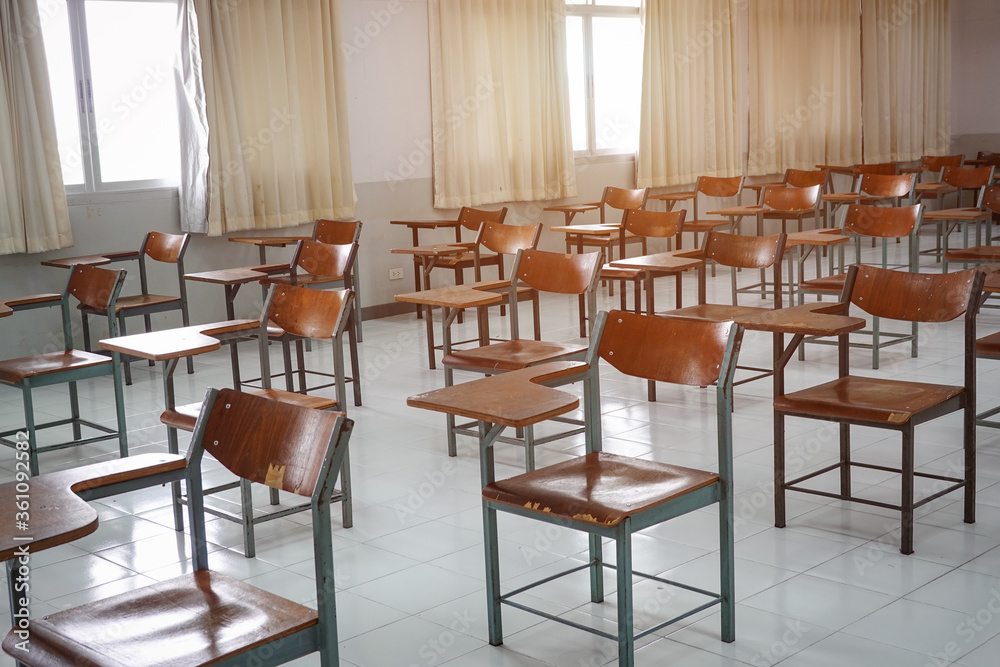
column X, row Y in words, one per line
column 396, row 274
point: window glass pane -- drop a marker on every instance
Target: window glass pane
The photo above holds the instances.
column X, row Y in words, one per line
column 577, row 81
column 59, row 54
column 132, row 51
column 620, row 3
column 617, row 82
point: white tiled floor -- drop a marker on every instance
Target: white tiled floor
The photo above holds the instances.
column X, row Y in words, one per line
column 831, row 589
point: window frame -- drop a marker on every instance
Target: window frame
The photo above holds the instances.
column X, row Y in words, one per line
column 587, row 12
column 94, row 189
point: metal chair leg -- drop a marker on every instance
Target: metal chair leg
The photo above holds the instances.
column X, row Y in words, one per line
column 623, row 567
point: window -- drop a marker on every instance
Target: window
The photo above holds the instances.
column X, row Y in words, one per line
column 111, row 70
column 604, row 56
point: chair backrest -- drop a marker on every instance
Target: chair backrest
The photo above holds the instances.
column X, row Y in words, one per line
column 677, row 350
column 665, row 349
column 989, row 158
column 790, row 199
column 623, row 199
column 799, row 178
column 284, row 446
column 939, row 162
column 473, row 218
column 886, row 185
column 967, row 177
column 94, row 288
column 882, row 221
column 324, row 259
column 557, row 273
column 713, row 186
column 654, row 224
column 337, row 232
column 310, row 313
column 744, row 251
column 913, row 297
column 875, row 168
column 991, row 198
column 161, row 247
column 508, row 239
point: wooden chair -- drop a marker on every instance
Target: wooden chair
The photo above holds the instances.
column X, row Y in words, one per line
column 94, row 288
column 640, row 223
column 342, row 232
column 716, row 189
column 955, row 180
column 324, row 265
column 616, row 199
column 544, row 272
column 738, row 252
column 885, row 168
column 791, row 205
column 610, row 496
column 158, row 247
column 472, row 219
column 289, row 313
column 205, row 617
column 876, row 223
column 934, row 163
column 892, row 404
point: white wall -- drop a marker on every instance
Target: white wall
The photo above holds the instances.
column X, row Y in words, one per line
column 975, row 114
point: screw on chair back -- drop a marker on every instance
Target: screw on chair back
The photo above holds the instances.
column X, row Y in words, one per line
column 886, row 185
column 623, row 199
column 473, row 218
column 337, row 232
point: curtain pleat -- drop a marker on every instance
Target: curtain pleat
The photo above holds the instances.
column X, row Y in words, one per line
column 499, row 102
column 275, row 110
column 689, row 123
column 805, row 84
column 34, row 215
column 906, row 51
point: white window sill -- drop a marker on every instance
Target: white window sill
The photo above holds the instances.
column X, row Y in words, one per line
column 119, row 196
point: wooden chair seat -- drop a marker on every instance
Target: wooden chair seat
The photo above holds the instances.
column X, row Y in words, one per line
column 183, row 417
column 863, row 399
column 14, row 371
column 934, row 188
column 202, row 618
column 703, row 225
column 147, row 301
column 956, row 214
column 512, row 355
column 988, row 347
column 714, row 312
column 467, row 260
column 599, row 487
column 832, row 284
column 609, row 272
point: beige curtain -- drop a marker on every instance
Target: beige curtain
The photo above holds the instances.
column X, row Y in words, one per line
column 499, row 102
column 805, row 84
column 907, row 72
column 34, row 216
column 275, row 106
column 690, row 122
